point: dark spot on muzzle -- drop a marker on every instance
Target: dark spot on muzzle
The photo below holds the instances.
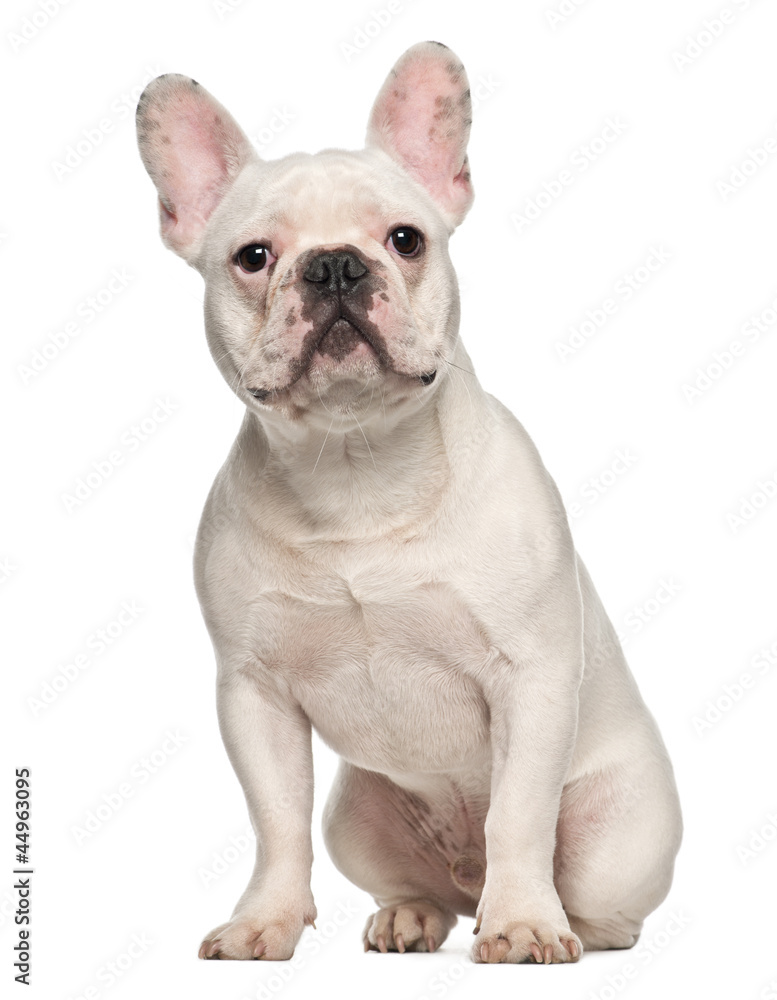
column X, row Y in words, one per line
column 340, row 339
column 338, row 291
column 339, row 288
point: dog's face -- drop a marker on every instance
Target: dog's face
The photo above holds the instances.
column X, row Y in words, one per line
column 327, row 278
column 329, row 290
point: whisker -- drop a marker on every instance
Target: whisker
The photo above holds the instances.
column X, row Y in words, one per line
column 237, row 381
column 326, row 438
column 463, row 381
column 365, row 440
column 459, row 367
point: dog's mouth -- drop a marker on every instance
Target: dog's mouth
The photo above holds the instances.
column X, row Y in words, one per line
column 345, row 339
column 340, row 350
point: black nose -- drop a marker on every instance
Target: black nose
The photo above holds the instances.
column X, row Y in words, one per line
column 336, row 272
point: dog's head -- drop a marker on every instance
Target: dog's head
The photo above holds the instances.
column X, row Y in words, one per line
column 327, row 276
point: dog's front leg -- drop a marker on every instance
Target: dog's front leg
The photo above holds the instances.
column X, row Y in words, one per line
column 268, row 739
column 533, row 699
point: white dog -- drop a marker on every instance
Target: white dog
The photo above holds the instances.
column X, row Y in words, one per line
column 384, row 556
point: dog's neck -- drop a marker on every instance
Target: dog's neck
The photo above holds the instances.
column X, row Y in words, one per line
column 388, row 474
column 342, row 484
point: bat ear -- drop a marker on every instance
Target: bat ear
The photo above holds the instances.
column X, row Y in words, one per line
column 421, row 118
column 193, row 150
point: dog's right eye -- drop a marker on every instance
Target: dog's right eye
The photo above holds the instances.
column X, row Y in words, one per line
column 254, row 257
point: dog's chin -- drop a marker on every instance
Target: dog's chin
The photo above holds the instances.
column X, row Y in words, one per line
column 334, row 362
column 343, row 384
column 342, row 372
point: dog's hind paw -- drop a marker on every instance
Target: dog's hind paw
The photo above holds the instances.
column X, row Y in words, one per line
column 412, row 926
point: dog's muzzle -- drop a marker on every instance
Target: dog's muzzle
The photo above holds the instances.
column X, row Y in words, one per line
column 337, row 297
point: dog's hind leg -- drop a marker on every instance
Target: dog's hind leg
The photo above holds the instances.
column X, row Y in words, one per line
column 618, row 833
column 416, row 859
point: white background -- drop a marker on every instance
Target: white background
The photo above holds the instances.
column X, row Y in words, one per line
column 661, row 527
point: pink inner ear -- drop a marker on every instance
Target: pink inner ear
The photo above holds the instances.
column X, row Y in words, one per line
column 193, row 149
column 197, row 166
column 422, row 118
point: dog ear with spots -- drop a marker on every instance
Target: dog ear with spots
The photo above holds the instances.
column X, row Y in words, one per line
column 421, row 118
column 193, row 150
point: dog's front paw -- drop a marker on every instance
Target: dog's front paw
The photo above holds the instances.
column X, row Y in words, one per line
column 273, row 937
column 526, row 941
column 412, row 926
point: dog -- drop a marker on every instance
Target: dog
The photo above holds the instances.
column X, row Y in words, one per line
column 384, row 557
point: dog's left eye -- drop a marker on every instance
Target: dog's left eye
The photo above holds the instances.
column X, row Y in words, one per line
column 254, row 257
column 405, row 240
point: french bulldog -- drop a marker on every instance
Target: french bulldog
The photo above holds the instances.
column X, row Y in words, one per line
column 384, row 557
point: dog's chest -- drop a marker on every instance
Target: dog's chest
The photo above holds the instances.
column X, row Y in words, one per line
column 384, row 670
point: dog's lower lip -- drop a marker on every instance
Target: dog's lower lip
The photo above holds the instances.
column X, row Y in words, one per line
column 343, row 323
column 341, row 340
column 260, row 394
